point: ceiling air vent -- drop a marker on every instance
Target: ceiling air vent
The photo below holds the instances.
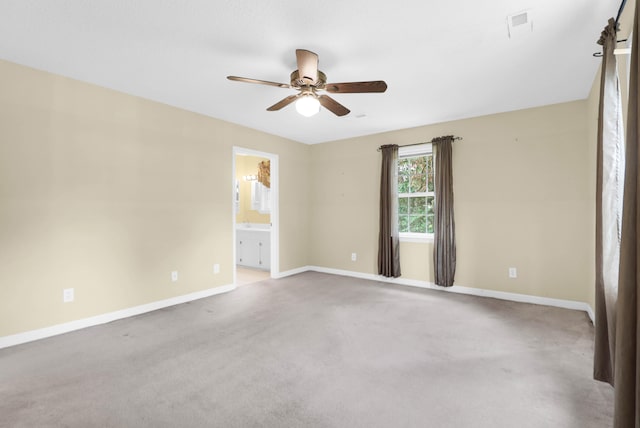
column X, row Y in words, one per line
column 519, row 24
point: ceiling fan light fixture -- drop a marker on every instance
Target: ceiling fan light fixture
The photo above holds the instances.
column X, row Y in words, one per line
column 307, row 105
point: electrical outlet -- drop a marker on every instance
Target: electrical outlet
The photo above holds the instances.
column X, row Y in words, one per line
column 354, row 257
column 513, row 272
column 216, row 268
column 67, row 295
column 174, row 275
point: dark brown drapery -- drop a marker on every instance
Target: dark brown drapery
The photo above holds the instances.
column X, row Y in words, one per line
column 389, row 237
column 627, row 355
column 610, row 167
column 444, row 239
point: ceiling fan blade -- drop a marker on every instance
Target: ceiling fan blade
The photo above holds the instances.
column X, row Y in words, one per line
column 261, row 82
column 283, row 103
column 307, row 65
column 356, row 87
column 333, row 106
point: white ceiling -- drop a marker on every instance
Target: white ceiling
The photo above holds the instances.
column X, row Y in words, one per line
column 442, row 60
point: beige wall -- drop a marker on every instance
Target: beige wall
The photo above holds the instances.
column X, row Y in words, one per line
column 108, row 193
column 523, row 199
column 248, row 165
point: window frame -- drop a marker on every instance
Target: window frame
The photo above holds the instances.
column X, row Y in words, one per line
column 412, row 151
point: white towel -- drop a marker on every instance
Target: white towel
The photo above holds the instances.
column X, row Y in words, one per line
column 255, row 195
column 260, row 197
column 265, row 199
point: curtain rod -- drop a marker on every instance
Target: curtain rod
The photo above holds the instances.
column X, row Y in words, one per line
column 426, row 142
column 624, row 2
column 620, row 10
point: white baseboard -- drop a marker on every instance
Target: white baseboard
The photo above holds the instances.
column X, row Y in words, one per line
column 291, row 272
column 502, row 295
column 42, row 333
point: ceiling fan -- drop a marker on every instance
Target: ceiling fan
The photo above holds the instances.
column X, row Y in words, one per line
column 309, row 81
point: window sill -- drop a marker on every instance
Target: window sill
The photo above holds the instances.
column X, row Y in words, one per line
column 411, row 237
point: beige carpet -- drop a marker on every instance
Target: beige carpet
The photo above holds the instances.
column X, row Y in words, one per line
column 314, row 350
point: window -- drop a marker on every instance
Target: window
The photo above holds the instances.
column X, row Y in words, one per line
column 415, row 191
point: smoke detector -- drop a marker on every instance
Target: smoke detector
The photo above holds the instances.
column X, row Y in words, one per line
column 519, row 24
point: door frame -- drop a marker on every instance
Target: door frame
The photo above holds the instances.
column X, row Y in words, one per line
column 275, row 206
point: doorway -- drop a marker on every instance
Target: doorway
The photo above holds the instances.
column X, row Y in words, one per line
column 255, row 215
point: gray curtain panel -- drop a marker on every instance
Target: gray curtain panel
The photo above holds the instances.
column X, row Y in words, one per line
column 444, row 240
column 627, row 356
column 389, row 237
column 609, row 185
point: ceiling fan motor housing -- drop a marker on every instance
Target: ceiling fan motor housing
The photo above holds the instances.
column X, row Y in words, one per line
column 300, row 82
